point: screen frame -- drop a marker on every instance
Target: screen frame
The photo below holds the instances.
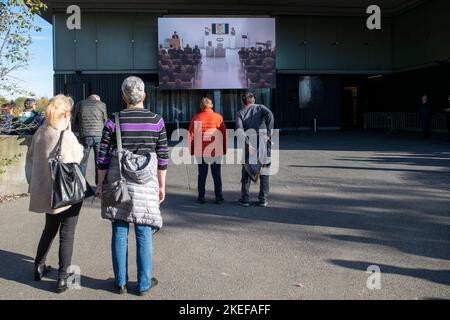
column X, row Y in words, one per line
column 218, row 17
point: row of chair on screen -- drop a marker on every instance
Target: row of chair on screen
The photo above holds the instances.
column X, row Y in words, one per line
column 259, row 67
column 177, row 84
column 260, row 80
column 186, row 60
column 186, row 74
column 178, row 68
column 266, row 63
column 253, row 53
column 254, row 59
column 180, row 51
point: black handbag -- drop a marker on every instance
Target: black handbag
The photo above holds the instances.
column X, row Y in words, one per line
column 116, row 192
column 68, row 183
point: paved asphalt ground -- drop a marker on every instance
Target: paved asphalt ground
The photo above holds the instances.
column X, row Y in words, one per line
column 341, row 201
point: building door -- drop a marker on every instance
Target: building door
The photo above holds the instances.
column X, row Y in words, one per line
column 349, row 109
column 287, row 110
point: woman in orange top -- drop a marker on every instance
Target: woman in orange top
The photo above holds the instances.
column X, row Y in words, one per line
column 208, row 143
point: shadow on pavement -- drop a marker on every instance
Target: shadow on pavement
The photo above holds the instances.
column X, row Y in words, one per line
column 388, row 221
column 436, row 276
column 19, row 268
column 358, row 168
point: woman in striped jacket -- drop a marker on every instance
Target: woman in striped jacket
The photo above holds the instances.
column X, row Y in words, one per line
column 143, row 134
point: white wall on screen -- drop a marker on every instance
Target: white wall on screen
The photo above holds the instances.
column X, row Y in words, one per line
column 192, row 30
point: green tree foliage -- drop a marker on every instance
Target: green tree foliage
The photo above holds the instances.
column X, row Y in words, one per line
column 42, row 103
column 17, row 21
column 19, row 105
column 3, row 100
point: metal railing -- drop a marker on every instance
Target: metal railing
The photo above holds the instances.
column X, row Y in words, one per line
column 408, row 121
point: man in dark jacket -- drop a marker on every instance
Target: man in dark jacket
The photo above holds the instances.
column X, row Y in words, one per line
column 254, row 124
column 425, row 116
column 89, row 118
column 29, row 120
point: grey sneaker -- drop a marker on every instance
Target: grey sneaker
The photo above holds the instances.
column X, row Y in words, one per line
column 263, row 203
column 244, row 203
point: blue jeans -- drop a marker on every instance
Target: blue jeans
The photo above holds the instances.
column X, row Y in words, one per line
column 88, row 144
column 144, row 250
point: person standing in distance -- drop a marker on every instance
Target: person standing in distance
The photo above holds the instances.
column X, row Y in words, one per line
column 144, row 141
column 89, row 118
column 208, row 142
column 63, row 220
column 29, row 120
column 259, row 120
column 447, row 111
column 425, row 117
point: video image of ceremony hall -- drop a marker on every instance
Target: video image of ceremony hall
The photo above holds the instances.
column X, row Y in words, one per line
column 216, row 53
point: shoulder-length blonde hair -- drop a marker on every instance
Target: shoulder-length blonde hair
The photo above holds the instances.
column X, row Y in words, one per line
column 59, row 107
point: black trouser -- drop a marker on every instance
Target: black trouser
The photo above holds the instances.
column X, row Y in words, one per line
column 448, row 124
column 65, row 222
column 203, row 174
column 426, row 124
column 245, row 188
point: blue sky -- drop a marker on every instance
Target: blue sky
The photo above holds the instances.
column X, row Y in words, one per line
column 38, row 76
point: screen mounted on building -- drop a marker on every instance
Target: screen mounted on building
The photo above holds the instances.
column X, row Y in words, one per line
column 216, row 53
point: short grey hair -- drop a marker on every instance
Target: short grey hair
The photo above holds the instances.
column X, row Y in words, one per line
column 95, row 97
column 133, row 88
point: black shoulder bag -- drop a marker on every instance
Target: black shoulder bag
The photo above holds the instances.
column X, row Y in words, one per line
column 68, row 183
column 116, row 192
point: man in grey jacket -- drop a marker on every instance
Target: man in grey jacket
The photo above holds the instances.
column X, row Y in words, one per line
column 254, row 124
column 89, row 118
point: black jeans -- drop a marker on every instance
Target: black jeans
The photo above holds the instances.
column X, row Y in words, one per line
column 88, row 144
column 426, row 126
column 448, row 123
column 203, row 174
column 245, row 188
column 65, row 222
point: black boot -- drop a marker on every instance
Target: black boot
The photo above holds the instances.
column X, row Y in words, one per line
column 40, row 271
column 153, row 284
column 121, row 289
column 219, row 200
column 201, row 200
column 62, row 284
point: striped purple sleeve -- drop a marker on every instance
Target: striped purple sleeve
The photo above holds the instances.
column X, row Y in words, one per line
column 163, row 162
column 162, row 150
column 110, row 125
column 105, row 147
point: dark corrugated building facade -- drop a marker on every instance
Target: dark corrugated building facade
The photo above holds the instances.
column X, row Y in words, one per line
column 324, row 52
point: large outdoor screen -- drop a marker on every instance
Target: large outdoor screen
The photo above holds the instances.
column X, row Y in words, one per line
column 216, row 53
